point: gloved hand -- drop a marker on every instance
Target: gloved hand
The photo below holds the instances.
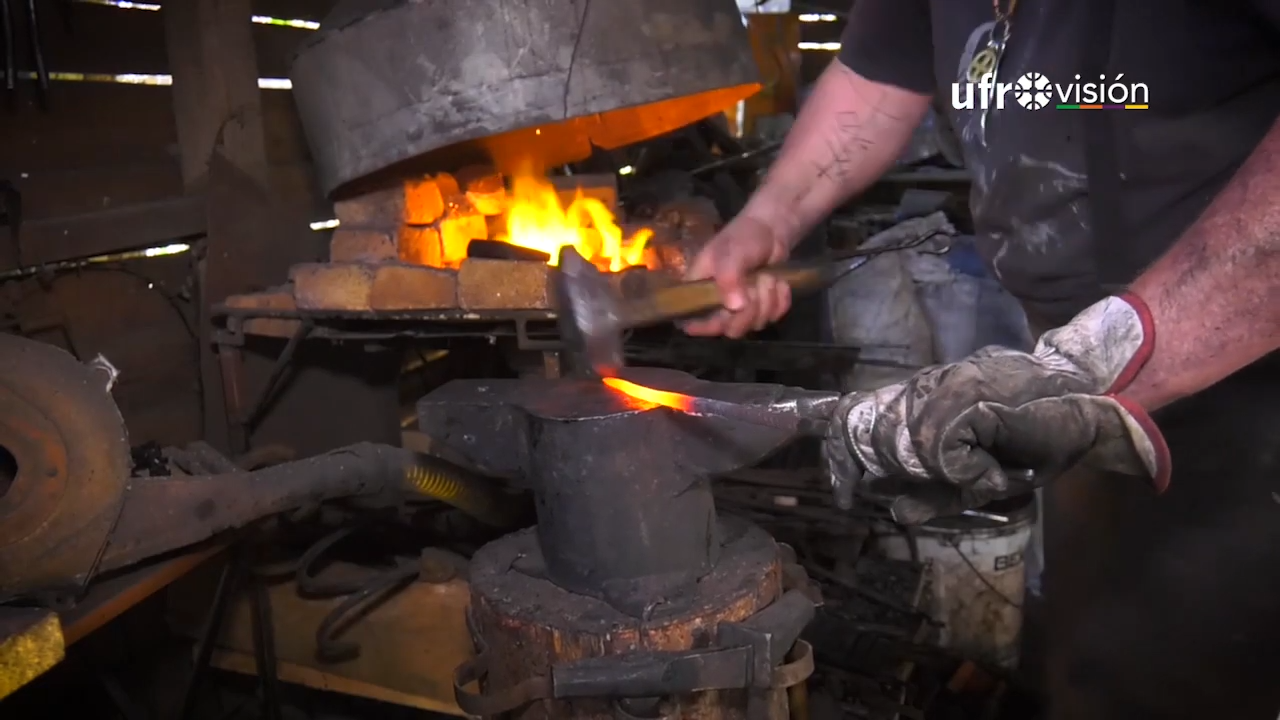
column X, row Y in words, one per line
column 942, row 441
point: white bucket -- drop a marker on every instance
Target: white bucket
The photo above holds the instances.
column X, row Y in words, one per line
column 977, row 572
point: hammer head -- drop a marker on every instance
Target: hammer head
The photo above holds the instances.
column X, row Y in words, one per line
column 588, row 311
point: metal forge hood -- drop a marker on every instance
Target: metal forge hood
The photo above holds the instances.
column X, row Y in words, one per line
column 395, row 86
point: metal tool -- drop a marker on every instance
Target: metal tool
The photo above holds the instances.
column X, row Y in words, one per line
column 593, row 313
column 810, row 412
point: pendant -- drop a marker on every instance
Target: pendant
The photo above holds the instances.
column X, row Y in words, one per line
column 983, row 63
column 989, row 99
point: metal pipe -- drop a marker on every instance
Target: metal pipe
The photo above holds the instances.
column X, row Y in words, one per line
column 164, row 514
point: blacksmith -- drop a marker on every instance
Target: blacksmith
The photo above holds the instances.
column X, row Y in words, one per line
column 1143, row 239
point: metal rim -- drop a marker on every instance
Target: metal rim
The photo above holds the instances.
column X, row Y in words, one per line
column 68, row 442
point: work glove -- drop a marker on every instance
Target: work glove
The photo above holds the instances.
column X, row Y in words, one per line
column 946, row 440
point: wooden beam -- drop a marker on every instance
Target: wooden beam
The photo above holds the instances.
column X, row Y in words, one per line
column 216, row 100
column 110, row 125
column 254, row 235
column 130, row 227
column 294, row 9
column 109, row 39
column 218, row 109
column 774, row 40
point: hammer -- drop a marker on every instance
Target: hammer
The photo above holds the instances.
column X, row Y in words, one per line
column 593, row 313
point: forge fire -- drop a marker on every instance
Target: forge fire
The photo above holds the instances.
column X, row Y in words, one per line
column 538, row 220
column 445, row 213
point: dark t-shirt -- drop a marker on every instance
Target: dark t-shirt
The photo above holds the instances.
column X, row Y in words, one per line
column 1212, row 71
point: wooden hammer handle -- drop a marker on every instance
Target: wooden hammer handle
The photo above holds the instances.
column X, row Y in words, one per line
column 685, row 299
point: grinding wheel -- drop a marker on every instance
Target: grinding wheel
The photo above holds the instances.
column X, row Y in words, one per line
column 64, row 468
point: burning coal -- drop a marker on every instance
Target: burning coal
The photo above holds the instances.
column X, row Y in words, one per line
column 537, row 220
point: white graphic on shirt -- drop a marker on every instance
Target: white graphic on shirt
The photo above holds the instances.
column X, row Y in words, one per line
column 967, row 123
column 1021, row 174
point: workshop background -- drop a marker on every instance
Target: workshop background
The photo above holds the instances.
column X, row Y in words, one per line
column 302, row 302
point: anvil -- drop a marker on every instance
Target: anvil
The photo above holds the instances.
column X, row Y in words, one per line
column 622, row 486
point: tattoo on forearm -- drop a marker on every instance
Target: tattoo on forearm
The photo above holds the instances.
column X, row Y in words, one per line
column 853, row 134
column 832, row 148
column 845, row 143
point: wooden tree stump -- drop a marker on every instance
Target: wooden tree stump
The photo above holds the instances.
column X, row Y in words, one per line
column 527, row 624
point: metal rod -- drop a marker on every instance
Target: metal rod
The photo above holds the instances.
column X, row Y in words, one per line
column 277, row 374
column 763, row 415
column 10, row 65
column 264, row 648
column 734, row 159
column 227, row 581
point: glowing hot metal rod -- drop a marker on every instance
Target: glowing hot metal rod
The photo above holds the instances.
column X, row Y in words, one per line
column 802, row 412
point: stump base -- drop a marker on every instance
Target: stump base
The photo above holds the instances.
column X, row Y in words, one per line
column 525, row 624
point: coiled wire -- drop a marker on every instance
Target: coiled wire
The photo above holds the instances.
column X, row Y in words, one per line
column 478, row 496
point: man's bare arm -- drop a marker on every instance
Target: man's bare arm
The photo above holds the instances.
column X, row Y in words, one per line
column 1215, row 296
column 850, row 131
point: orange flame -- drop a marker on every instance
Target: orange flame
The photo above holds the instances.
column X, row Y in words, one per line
column 652, row 397
column 537, row 220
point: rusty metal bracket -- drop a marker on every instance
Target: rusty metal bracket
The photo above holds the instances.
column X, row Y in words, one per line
column 797, row 670
column 482, row 704
column 628, row 677
column 526, row 342
column 657, row 674
column 769, row 634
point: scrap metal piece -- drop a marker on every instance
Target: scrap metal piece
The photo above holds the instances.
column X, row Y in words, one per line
column 384, row 82
column 66, row 465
